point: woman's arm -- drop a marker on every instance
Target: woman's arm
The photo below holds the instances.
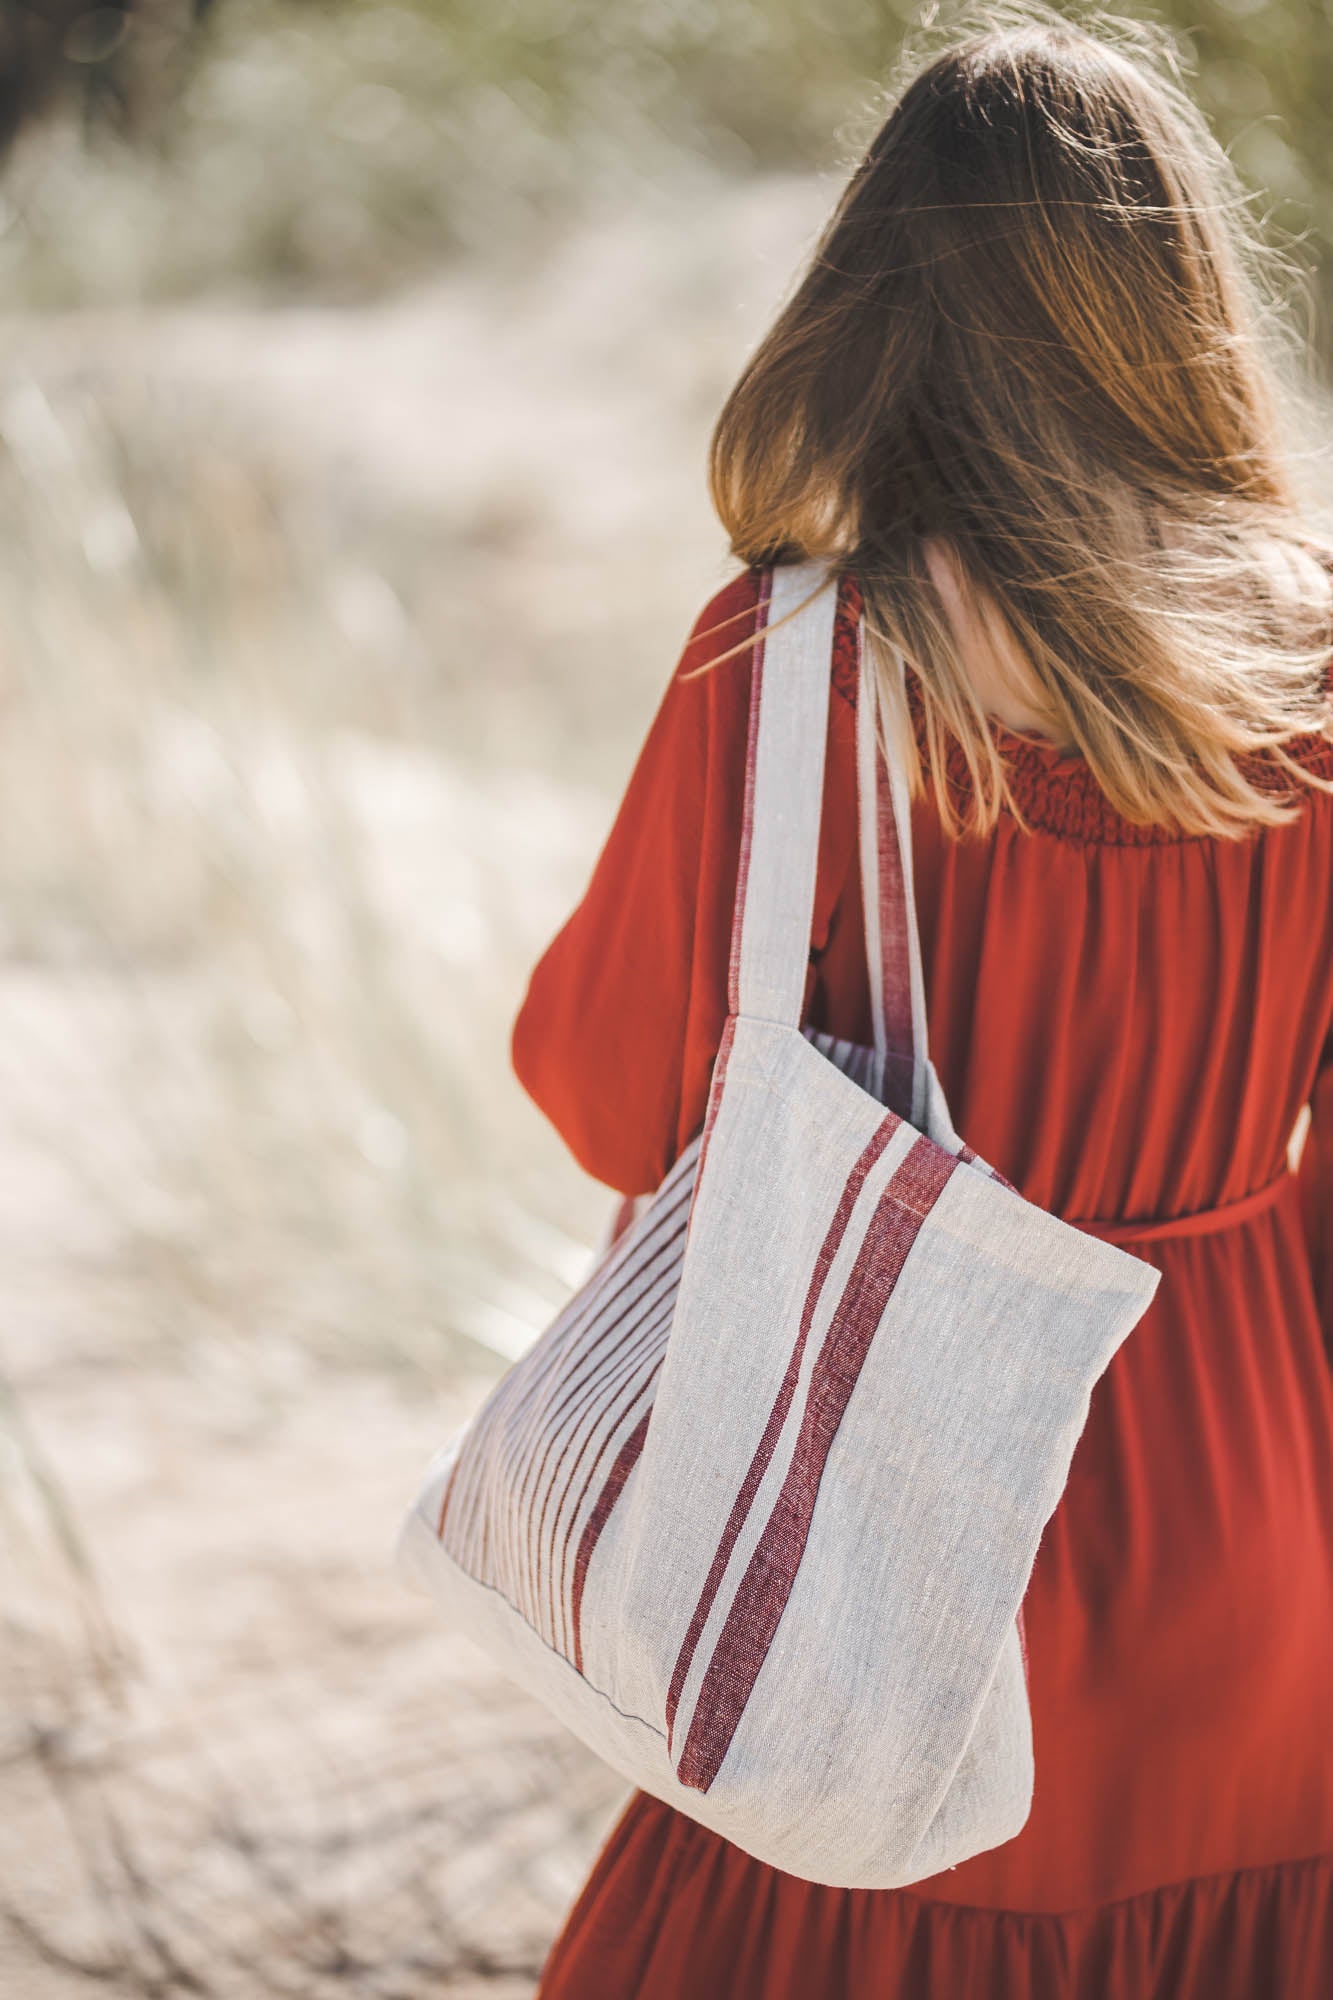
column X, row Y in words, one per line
column 624, row 1013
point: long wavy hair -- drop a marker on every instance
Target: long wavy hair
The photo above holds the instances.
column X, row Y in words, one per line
column 1040, row 332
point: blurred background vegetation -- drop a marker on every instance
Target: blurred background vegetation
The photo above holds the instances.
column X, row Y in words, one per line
column 357, row 364
column 345, row 146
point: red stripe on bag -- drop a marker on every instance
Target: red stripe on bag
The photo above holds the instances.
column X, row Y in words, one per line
column 626, row 1458
column 967, row 1153
column 616, row 1394
column 642, row 1384
column 586, row 1390
column 894, row 948
column 759, row 1464
column 766, row 1586
column 446, row 1496
column 595, row 1332
column 595, row 1315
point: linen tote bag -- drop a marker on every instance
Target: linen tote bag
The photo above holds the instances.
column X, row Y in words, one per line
column 756, row 1514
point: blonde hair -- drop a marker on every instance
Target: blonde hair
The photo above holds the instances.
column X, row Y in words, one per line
column 1037, row 329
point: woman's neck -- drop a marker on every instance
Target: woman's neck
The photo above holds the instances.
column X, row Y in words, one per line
column 1001, row 679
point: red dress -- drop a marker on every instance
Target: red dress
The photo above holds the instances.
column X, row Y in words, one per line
column 1127, row 1023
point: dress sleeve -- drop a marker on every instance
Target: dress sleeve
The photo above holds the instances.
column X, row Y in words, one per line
column 624, row 1013
column 1315, row 1179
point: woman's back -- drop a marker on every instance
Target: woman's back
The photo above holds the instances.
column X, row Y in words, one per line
column 1127, row 1019
column 1127, row 1022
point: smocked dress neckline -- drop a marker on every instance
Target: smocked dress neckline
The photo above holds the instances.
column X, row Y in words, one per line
column 1056, row 790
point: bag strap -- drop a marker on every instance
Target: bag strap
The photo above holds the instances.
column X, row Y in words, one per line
column 784, row 793
column 784, row 789
column 893, row 941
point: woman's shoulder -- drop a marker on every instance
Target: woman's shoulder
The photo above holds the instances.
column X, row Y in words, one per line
column 721, row 634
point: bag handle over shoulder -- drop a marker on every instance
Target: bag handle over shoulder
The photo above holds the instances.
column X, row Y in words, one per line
column 893, row 940
column 775, row 893
column 784, row 792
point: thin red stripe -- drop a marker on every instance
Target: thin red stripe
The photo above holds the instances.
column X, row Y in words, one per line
column 641, row 1380
column 595, row 1315
column 895, row 957
column 626, row 1459
column 444, row 1498
column 510, row 1434
column 595, row 1333
column 759, row 1464
column 967, row 1153
column 584, row 1387
column 465, row 1517
column 753, row 1619
column 644, row 1344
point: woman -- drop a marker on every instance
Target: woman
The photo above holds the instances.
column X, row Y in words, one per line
column 1019, row 399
